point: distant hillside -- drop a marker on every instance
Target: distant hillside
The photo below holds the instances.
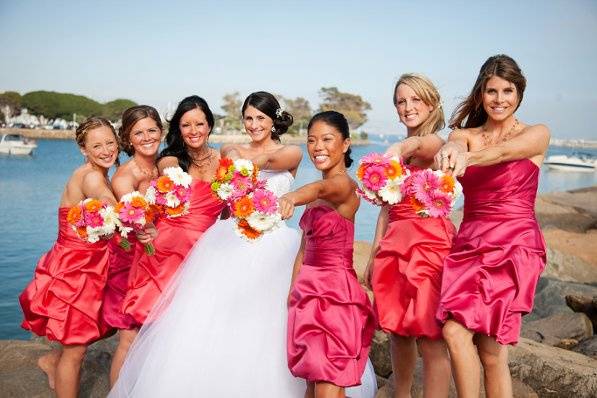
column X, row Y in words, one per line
column 54, row 105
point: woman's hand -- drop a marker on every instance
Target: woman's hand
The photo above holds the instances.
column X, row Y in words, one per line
column 286, row 206
column 395, row 150
column 461, row 162
column 445, row 159
column 148, row 233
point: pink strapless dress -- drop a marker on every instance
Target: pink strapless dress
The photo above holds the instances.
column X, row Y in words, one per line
column 117, row 284
column 407, row 272
column 498, row 255
column 149, row 275
column 63, row 301
column 330, row 319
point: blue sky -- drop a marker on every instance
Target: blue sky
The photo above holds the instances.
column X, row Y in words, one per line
column 157, row 52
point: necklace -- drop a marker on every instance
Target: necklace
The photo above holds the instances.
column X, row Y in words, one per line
column 488, row 139
column 201, row 161
column 151, row 174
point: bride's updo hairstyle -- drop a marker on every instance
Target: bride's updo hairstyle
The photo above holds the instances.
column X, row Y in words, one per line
column 268, row 104
column 338, row 121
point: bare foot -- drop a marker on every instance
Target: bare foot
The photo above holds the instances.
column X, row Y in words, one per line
column 48, row 363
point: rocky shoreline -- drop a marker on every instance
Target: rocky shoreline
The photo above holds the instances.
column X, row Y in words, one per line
column 556, row 356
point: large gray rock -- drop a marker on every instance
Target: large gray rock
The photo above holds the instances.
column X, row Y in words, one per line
column 587, row 347
column 569, row 268
column 380, row 354
column 20, row 377
column 553, row 372
column 585, row 304
column 553, row 329
column 550, row 297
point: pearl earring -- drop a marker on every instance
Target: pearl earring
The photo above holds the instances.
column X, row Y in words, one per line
column 273, row 129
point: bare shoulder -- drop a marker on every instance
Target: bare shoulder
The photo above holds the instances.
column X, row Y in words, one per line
column 292, row 150
column 539, row 130
column 167, row 161
column 463, row 133
column 125, row 171
column 94, row 178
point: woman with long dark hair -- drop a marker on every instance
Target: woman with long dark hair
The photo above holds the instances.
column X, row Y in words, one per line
column 491, row 273
column 187, row 148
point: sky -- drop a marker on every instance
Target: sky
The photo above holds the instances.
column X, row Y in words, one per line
column 158, row 52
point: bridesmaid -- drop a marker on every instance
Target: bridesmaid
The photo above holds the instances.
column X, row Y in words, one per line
column 491, row 273
column 408, row 251
column 187, row 148
column 139, row 136
column 330, row 319
column 63, row 301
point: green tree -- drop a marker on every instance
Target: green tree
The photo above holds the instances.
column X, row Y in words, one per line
column 10, row 103
column 231, row 108
column 53, row 105
column 300, row 109
column 113, row 109
column 353, row 106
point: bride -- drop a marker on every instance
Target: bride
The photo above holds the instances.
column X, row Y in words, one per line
column 219, row 329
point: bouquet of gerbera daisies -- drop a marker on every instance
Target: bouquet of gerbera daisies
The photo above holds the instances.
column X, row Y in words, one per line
column 254, row 207
column 381, row 178
column 93, row 220
column 171, row 192
column 432, row 193
column 134, row 213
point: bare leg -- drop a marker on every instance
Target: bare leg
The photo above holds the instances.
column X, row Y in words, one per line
column 404, row 357
column 494, row 357
column 328, row 390
column 465, row 361
column 125, row 339
column 436, row 368
column 69, row 370
column 310, row 393
column 48, row 363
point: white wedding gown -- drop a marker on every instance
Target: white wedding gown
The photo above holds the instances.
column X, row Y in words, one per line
column 219, row 329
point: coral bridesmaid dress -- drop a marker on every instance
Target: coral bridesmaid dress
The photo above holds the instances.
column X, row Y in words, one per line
column 149, row 275
column 63, row 301
column 117, row 284
column 407, row 271
column 492, row 271
column 330, row 319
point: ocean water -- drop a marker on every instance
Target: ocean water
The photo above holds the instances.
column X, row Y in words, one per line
column 30, row 189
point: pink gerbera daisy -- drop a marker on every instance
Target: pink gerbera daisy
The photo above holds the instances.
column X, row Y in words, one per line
column 375, row 158
column 439, row 204
column 93, row 219
column 241, row 185
column 265, row 201
column 131, row 215
column 423, row 184
column 374, row 177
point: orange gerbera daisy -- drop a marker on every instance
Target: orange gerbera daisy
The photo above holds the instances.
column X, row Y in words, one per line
column 118, row 207
column 164, row 184
column 446, row 183
column 247, row 231
column 416, row 204
column 361, row 171
column 93, row 205
column 394, row 169
column 82, row 232
column 74, row 215
column 152, row 213
column 139, row 202
column 243, row 207
column 175, row 211
column 221, row 172
column 225, row 162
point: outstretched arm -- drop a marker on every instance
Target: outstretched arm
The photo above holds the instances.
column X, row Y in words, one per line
column 286, row 158
column 334, row 190
column 420, row 147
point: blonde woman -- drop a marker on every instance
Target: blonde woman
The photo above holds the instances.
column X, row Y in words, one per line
column 405, row 266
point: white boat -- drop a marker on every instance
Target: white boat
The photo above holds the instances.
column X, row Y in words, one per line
column 16, row 144
column 574, row 162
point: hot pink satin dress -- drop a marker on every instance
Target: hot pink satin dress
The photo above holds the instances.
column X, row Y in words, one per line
column 149, row 275
column 63, row 301
column 490, row 276
column 330, row 319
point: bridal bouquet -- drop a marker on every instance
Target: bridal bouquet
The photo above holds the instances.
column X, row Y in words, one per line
column 254, row 207
column 381, row 178
column 93, row 220
column 432, row 193
column 171, row 192
column 134, row 212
